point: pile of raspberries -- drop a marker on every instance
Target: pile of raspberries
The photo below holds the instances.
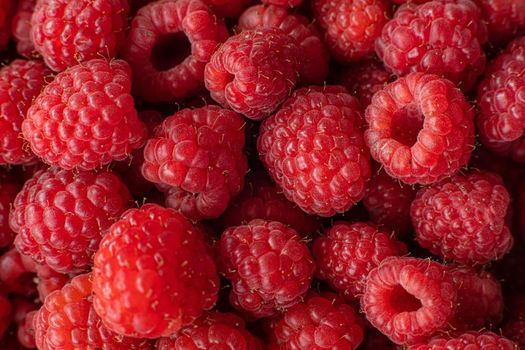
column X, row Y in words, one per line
column 262, row 175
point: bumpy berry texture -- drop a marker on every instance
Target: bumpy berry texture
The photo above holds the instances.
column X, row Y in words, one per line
column 254, row 72
column 313, row 147
column 514, row 326
column 67, row 320
column 26, row 331
column 165, row 271
column 15, row 278
column 420, row 128
column 64, row 33
column 442, row 37
column 168, row 45
column 21, row 27
column 20, row 82
column 351, row 27
column 348, row 252
column 212, row 330
column 504, row 18
column 409, row 299
column 199, row 154
column 320, row 322
column 501, row 97
column 7, row 8
column 86, row 117
column 60, row 216
column 283, row 3
column 469, row 341
column 314, row 66
column 8, row 190
column 463, row 218
column 228, row 8
column 270, row 268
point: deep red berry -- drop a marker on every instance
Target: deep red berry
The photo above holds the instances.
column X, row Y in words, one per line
column 86, row 117
column 442, row 37
column 347, row 252
column 314, row 66
column 314, row 150
column 7, row 7
column 409, row 299
column 351, row 27
column 14, row 275
column 21, row 27
column 463, row 218
column 270, row 268
column 66, row 33
column 283, row 3
column 169, row 43
column 153, row 273
column 198, row 153
column 504, row 18
column 228, row 8
column 8, row 191
column 469, row 341
column 20, row 308
column 26, row 331
column 254, row 72
column 420, row 128
column 514, row 326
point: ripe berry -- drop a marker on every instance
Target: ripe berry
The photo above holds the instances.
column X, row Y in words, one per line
column 14, row 276
column 153, row 273
column 420, row 128
column 314, row 150
column 86, row 117
column 505, row 19
column 26, row 331
column 469, row 341
column 21, row 27
column 8, row 191
column 283, row 3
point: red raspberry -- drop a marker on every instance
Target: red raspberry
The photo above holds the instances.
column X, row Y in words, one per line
column 20, row 82
column 469, row 341
column 213, row 330
column 347, row 252
column 463, row 218
column 86, row 117
column 318, row 323
column 166, row 275
column 21, row 28
column 8, row 191
column 199, row 153
column 442, row 37
column 502, row 102
column 284, row 3
column 228, row 8
column 269, row 266
column 48, row 280
column 420, row 128
column 161, row 73
column 67, row 320
column 504, row 18
column 60, row 216
column 514, row 326
column 26, row 331
column 14, row 275
column 7, row 8
column 314, row 66
column 409, row 299
column 314, row 150
column 254, row 72
column 66, row 33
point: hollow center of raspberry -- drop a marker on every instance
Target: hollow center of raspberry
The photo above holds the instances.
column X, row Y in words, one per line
column 407, row 122
column 403, row 301
column 169, row 51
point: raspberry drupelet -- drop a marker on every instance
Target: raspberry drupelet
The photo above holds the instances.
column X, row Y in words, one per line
column 153, row 274
column 86, row 117
column 314, row 150
column 60, row 216
column 9, row 188
column 26, row 331
column 66, row 33
column 462, row 218
column 254, row 71
column 420, row 128
column 198, row 153
column 21, row 27
column 469, row 341
column 409, row 299
column 442, row 37
column 283, row 3
column 161, row 73
column 270, row 268
column 505, row 19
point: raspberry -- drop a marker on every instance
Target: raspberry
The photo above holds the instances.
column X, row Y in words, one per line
column 420, row 128
column 314, row 150
column 66, row 33
column 351, row 27
column 21, row 28
column 254, row 72
column 441, row 37
column 7, row 8
column 469, row 341
column 161, row 73
column 8, row 191
column 347, row 252
column 60, row 216
column 463, row 218
column 199, row 153
column 514, row 326
column 318, row 323
column 501, row 119
column 86, row 117
column 284, row 3
column 409, row 299
column 14, row 275
column 314, row 66
column 166, row 275
column 504, row 18
column 228, row 8
column 212, row 331
column 26, row 331
column 67, row 320
column 269, row 266
column 20, row 82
